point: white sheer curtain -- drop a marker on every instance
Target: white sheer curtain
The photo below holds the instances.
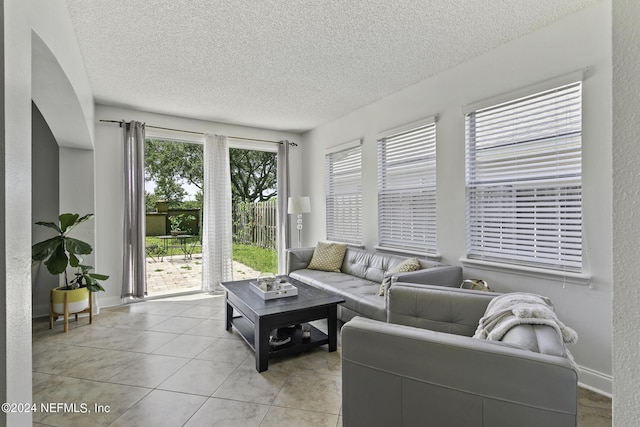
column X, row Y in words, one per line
column 134, row 283
column 284, row 232
column 217, row 261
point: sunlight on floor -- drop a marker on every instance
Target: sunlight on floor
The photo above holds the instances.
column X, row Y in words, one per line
column 177, row 274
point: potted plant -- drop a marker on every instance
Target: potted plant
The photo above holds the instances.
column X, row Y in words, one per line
column 62, row 251
column 180, row 223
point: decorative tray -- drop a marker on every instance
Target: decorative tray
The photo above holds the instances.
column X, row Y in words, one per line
column 286, row 289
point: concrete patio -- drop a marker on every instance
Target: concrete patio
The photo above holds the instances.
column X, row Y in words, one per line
column 176, row 274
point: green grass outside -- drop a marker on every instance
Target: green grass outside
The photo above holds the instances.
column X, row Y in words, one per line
column 259, row 259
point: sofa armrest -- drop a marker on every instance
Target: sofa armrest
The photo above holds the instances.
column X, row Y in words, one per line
column 395, row 372
column 446, row 275
column 298, row 258
column 438, row 308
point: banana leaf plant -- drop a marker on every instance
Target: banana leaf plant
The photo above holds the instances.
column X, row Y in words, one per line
column 62, row 251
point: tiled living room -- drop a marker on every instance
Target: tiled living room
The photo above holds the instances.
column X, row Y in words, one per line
column 170, row 362
column 499, row 139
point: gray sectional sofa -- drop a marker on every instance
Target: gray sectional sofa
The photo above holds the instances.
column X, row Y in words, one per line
column 361, row 275
column 424, row 367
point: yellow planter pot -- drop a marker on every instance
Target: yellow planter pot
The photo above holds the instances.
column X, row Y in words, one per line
column 77, row 299
column 66, row 302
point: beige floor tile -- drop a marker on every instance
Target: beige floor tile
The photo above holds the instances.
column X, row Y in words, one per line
column 50, row 389
column 248, row 385
column 228, row 413
column 169, row 308
column 220, row 315
column 191, row 299
column 177, row 324
column 316, row 360
column 84, row 362
column 130, row 340
column 76, row 334
column 201, row 311
column 161, row 408
column 311, row 391
column 227, row 350
column 594, row 410
column 201, row 377
column 139, row 321
column 185, row 346
column 208, row 328
column 286, row 417
column 214, row 300
column 149, row 371
column 192, row 355
column 158, row 307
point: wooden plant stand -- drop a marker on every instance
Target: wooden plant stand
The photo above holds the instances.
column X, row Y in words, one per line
column 54, row 316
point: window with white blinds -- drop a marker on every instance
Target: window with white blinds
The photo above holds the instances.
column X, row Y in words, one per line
column 407, row 189
column 524, row 180
column 344, row 194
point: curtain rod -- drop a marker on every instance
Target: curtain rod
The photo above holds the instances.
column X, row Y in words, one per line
column 120, row 122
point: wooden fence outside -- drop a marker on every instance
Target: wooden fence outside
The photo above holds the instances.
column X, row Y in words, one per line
column 255, row 223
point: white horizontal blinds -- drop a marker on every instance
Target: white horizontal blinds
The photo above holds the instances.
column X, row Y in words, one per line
column 524, row 180
column 344, row 195
column 407, row 190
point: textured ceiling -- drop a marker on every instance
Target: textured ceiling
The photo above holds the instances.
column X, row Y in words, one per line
column 289, row 64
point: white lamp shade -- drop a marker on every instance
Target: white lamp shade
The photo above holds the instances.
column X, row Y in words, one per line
column 299, row 205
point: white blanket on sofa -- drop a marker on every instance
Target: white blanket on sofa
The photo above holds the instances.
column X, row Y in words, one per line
column 517, row 308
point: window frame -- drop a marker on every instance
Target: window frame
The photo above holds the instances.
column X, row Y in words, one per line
column 564, row 266
column 407, row 190
column 343, row 193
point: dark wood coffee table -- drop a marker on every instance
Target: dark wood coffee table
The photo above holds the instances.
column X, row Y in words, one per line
column 256, row 318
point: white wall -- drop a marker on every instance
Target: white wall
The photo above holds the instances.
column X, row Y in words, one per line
column 15, row 210
column 569, row 45
column 62, row 93
column 44, row 204
column 61, row 87
column 109, row 179
column 626, row 212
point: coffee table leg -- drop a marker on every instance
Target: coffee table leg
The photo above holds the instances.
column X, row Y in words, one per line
column 229, row 317
column 261, row 340
column 332, row 326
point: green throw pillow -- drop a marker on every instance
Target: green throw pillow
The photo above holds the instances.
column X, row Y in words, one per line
column 328, row 257
column 410, row 264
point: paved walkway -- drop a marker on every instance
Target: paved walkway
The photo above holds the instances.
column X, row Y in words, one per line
column 176, row 274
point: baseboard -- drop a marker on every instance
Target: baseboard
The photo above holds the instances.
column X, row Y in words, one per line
column 595, row 381
column 104, row 302
column 42, row 310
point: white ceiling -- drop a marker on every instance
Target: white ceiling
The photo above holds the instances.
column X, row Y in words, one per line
column 286, row 64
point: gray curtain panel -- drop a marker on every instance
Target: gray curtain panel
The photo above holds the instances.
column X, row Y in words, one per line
column 134, row 284
column 284, row 234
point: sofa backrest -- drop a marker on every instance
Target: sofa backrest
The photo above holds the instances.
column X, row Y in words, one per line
column 458, row 311
column 373, row 265
column 437, row 308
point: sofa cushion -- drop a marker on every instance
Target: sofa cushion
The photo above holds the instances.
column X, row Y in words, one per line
column 410, row 264
column 539, row 338
column 369, row 265
column 361, row 295
column 328, row 256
